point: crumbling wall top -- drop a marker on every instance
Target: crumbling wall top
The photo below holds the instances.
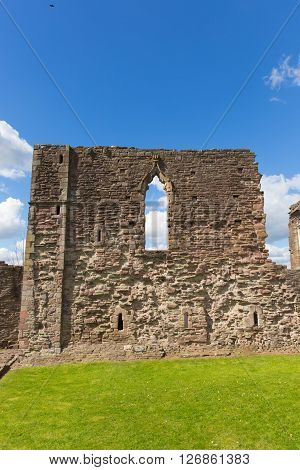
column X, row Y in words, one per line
column 117, row 150
column 295, row 208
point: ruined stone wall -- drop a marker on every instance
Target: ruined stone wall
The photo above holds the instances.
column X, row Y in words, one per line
column 214, row 288
column 294, row 235
column 10, row 301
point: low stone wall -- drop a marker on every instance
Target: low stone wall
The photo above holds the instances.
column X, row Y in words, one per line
column 88, row 354
column 10, row 301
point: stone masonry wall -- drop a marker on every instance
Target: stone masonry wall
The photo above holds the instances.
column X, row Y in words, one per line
column 10, row 302
column 294, row 235
column 214, row 289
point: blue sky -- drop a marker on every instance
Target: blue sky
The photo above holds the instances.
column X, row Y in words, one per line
column 153, row 73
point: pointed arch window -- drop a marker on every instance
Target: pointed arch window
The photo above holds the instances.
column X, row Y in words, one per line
column 156, row 216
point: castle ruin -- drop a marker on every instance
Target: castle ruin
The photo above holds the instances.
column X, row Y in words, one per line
column 91, row 289
column 91, row 286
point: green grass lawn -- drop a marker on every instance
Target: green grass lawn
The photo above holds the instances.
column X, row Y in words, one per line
column 231, row 403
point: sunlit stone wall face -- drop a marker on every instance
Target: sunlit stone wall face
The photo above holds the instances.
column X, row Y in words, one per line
column 86, row 269
column 10, row 300
column 294, row 235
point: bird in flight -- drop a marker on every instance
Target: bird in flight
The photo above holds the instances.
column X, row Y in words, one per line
column 51, row 5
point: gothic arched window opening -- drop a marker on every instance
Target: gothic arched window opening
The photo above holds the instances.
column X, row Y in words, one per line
column 156, row 216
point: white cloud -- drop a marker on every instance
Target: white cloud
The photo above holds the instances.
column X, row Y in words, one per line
column 12, row 224
column 275, row 99
column 157, row 183
column 20, row 246
column 3, row 188
column 275, row 79
column 13, row 256
column 15, row 153
column 280, row 255
column 12, row 173
column 163, row 202
column 284, row 74
column 157, row 204
column 156, row 230
column 6, row 255
column 280, row 194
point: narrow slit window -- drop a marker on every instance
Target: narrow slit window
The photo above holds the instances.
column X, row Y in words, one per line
column 61, row 159
column 57, row 210
column 120, row 322
column 186, row 320
column 156, row 216
column 255, row 318
column 98, row 235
